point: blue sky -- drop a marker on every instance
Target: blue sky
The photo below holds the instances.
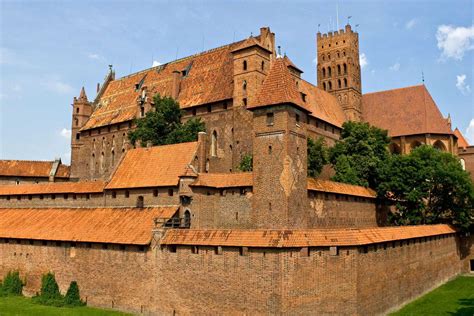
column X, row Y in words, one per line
column 50, row 49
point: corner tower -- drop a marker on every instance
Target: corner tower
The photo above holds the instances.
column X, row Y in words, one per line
column 81, row 112
column 338, row 69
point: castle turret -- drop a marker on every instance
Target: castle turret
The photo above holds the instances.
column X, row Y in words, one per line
column 81, row 111
column 279, row 152
column 338, row 69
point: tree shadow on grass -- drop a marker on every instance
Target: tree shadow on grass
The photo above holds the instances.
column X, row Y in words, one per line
column 466, row 307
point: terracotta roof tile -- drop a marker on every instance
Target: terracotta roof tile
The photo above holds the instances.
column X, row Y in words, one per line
column 209, row 79
column 462, row 142
column 224, row 180
column 338, row 187
column 131, row 226
column 278, row 87
column 322, row 104
column 53, row 188
column 405, row 111
column 153, row 167
column 27, row 168
column 301, row 238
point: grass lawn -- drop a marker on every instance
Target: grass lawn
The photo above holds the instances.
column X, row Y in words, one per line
column 24, row 306
column 453, row 298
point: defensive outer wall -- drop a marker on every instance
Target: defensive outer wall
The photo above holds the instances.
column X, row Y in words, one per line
column 165, row 279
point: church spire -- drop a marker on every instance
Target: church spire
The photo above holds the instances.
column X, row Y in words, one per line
column 82, row 95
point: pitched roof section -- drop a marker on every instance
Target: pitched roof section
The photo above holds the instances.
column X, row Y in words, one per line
column 53, row 188
column 322, row 104
column 209, row 78
column 339, row 188
column 301, row 238
column 27, row 168
column 279, row 87
column 130, row 226
column 405, row 111
column 153, row 166
column 462, row 142
column 224, row 180
column 249, row 42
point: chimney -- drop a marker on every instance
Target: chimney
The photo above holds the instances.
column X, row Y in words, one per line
column 176, row 84
column 202, row 151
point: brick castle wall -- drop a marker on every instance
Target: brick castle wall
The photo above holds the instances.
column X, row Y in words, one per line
column 190, row 280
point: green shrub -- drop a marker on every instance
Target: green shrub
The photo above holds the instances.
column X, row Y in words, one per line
column 72, row 295
column 12, row 284
column 246, row 163
column 49, row 294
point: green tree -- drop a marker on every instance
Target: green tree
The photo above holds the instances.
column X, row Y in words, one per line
column 73, row 297
column 49, row 294
column 162, row 125
column 12, row 284
column 317, row 156
column 246, row 163
column 359, row 154
column 428, row 187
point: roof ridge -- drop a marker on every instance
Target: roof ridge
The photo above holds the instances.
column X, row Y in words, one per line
column 27, row 160
column 166, row 145
column 396, row 89
column 182, row 59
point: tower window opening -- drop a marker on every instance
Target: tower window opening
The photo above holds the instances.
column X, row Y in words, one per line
column 263, row 65
column 330, row 85
column 329, row 56
column 324, row 72
column 339, row 83
column 345, row 82
column 269, row 150
column 244, row 65
column 324, row 86
column 329, row 72
column 345, row 69
column 339, row 69
column 214, row 144
column 77, row 110
column 244, row 85
column 76, row 122
column 270, row 119
column 78, row 136
column 244, row 101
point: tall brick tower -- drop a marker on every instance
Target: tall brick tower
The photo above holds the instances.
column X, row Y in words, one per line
column 279, row 152
column 81, row 111
column 338, row 69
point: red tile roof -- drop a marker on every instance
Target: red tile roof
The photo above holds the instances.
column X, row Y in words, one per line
column 209, row 79
column 301, row 238
column 279, row 87
column 224, row 180
column 462, row 142
column 340, row 188
column 131, row 226
column 249, row 42
column 405, row 111
column 53, row 188
column 27, row 168
column 153, row 167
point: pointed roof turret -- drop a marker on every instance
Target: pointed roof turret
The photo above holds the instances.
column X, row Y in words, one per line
column 279, row 87
column 82, row 95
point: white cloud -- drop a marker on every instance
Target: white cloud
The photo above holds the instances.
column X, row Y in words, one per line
column 454, row 42
column 470, row 132
column 462, row 85
column 315, row 60
column 363, row 61
column 94, row 56
column 58, row 86
column 395, row 67
column 155, row 63
column 410, row 24
column 66, row 133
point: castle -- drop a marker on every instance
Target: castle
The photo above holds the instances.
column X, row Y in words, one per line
column 177, row 229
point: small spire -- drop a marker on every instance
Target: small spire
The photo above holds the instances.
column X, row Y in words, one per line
column 279, row 51
column 82, row 95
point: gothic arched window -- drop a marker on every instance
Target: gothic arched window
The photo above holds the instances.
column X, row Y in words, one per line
column 345, row 69
column 329, row 72
column 214, row 144
column 324, row 72
column 339, row 69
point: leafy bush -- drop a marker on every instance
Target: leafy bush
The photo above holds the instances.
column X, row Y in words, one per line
column 12, row 284
column 317, row 156
column 49, row 294
column 72, row 295
column 246, row 163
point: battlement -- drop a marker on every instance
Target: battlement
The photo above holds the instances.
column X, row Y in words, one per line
column 330, row 35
